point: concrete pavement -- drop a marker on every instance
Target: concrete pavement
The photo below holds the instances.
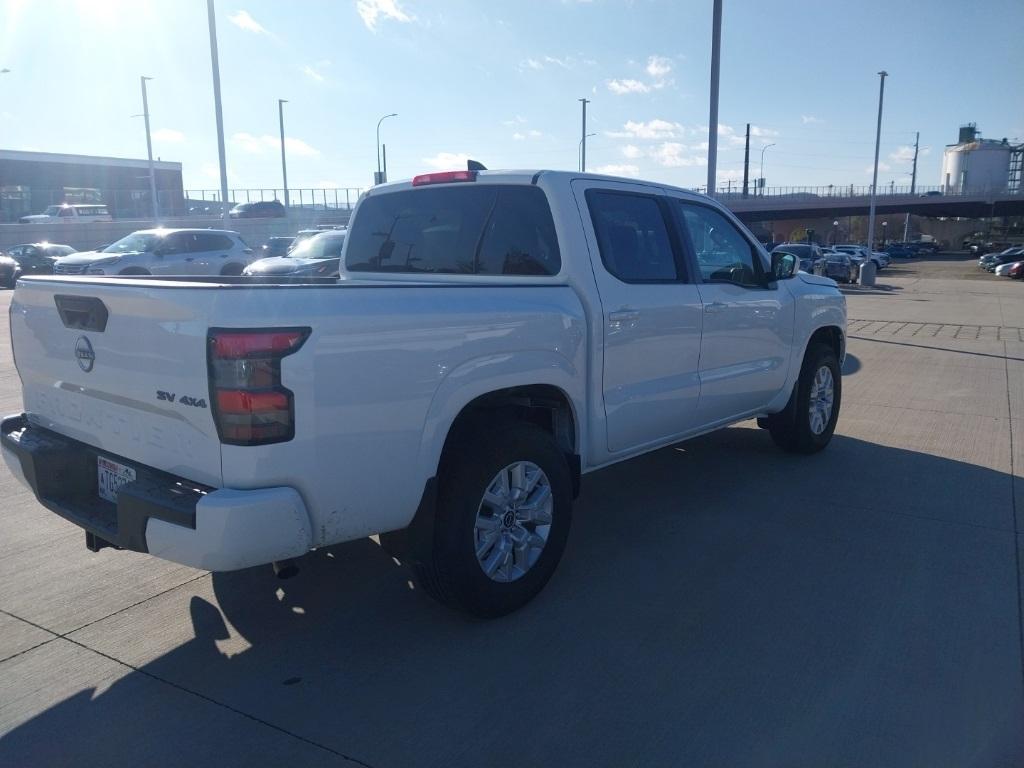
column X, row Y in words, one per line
column 720, row 603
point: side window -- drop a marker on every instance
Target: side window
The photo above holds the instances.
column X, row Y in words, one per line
column 632, row 236
column 519, row 238
column 723, row 254
column 66, row 212
column 176, row 242
column 16, row 252
column 202, row 242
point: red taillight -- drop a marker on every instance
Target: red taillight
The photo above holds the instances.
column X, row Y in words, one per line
column 250, row 407
column 445, row 177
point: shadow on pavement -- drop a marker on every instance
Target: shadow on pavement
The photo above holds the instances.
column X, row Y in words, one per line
column 851, row 364
column 720, row 603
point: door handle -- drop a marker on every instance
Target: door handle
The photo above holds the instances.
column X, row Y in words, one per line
column 715, row 306
column 623, row 316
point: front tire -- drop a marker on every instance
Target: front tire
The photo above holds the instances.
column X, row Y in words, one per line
column 503, row 515
column 809, row 419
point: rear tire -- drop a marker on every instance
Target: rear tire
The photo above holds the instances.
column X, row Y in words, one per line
column 475, row 531
column 801, row 428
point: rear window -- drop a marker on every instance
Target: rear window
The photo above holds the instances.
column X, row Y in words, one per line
column 465, row 230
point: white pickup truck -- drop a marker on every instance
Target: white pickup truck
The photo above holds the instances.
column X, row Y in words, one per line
column 493, row 336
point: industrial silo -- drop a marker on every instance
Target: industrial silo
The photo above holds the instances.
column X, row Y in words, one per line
column 975, row 165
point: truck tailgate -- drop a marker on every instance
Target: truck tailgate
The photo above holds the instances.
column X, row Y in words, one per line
column 122, row 367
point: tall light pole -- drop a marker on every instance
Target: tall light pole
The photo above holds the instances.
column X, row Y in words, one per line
column 583, row 140
column 762, row 165
column 284, row 165
column 867, row 269
column 380, row 174
column 149, row 150
column 579, row 149
column 215, row 63
column 716, row 57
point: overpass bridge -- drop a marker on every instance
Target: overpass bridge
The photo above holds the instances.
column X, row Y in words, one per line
column 819, row 202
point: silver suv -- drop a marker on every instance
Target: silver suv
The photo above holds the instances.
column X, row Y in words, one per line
column 164, row 252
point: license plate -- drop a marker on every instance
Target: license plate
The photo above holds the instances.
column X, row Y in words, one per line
column 111, row 476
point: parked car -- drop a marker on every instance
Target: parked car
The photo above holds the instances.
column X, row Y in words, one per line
column 30, row 259
column 319, row 256
column 809, row 254
column 164, row 252
column 275, row 246
column 880, row 258
column 899, row 251
column 1016, row 270
column 1008, row 256
column 1003, row 270
column 841, row 267
column 265, row 209
column 69, row 213
column 498, row 335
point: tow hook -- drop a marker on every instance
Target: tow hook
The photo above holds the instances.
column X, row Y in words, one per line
column 285, row 569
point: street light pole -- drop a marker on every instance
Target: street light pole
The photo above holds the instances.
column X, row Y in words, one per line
column 716, row 57
column 867, row 269
column 215, row 63
column 284, row 165
column 583, row 140
column 149, row 150
column 380, row 174
column 762, row 165
column 579, row 149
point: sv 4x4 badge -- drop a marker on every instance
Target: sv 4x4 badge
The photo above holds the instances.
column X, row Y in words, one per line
column 195, row 402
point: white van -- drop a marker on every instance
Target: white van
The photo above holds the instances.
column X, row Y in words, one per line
column 66, row 212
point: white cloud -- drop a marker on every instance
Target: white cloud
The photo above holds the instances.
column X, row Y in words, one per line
column 534, row 134
column 620, row 87
column 659, row 67
column 257, row 145
column 168, row 135
column 518, row 136
column 653, row 129
column 243, row 20
column 212, row 172
column 530, row 64
column 905, row 154
column 563, row 63
column 517, row 120
column 313, row 71
column 617, row 170
column 810, row 119
column 373, row 12
column 737, row 138
column 882, row 166
column 447, row 161
column 670, row 154
column 632, row 151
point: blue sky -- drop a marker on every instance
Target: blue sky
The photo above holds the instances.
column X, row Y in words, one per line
column 499, row 81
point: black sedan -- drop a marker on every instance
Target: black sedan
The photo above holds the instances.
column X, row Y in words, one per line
column 275, row 246
column 264, row 209
column 840, row 267
column 319, row 256
column 30, row 259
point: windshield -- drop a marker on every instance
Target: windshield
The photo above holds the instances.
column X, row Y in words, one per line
column 319, row 247
column 137, row 241
column 52, row 210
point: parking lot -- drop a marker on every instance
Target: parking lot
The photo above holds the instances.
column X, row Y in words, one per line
column 720, row 602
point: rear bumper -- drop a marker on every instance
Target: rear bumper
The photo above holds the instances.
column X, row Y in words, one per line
column 167, row 516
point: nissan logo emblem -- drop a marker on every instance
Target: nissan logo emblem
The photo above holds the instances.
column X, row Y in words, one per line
column 84, row 354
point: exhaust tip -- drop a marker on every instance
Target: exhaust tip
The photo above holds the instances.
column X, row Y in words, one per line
column 285, row 569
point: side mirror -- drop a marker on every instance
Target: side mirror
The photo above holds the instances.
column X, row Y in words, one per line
column 784, row 265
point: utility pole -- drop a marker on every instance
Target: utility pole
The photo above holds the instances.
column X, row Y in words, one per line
column 284, row 165
column 149, row 151
column 583, row 141
column 913, row 184
column 716, row 57
column 384, row 152
column 219, row 112
column 746, row 163
column 867, row 269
